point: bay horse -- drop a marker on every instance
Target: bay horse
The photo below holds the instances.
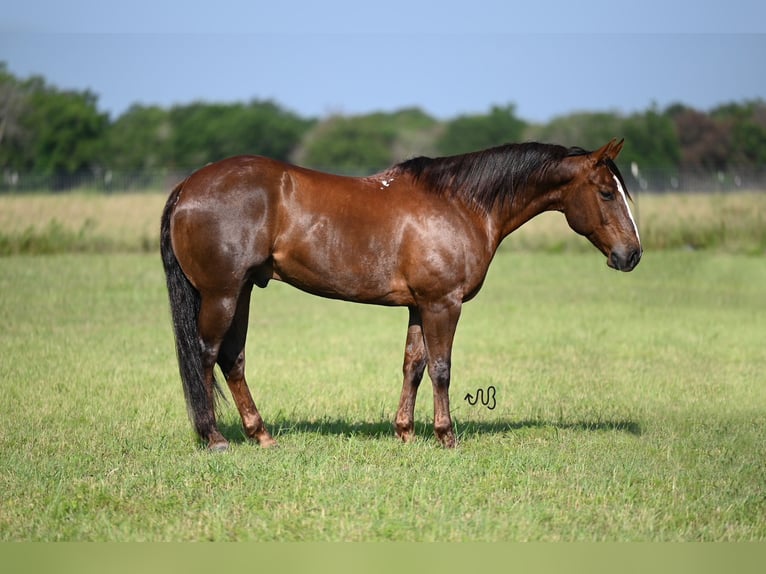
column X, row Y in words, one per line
column 421, row 234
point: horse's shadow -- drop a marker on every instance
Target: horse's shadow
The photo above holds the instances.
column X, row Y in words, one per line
column 384, row 429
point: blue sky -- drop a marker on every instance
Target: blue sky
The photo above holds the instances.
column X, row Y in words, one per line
column 449, row 58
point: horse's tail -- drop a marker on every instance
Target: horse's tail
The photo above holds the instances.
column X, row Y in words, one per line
column 184, row 310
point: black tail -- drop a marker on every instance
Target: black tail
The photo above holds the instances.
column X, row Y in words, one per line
column 184, row 309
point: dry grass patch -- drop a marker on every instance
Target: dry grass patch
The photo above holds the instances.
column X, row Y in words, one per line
column 71, row 222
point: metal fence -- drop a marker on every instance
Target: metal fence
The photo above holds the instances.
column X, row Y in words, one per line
column 691, row 181
column 100, row 182
column 638, row 180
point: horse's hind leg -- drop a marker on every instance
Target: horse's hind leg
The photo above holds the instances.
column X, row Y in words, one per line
column 413, row 368
column 215, row 319
column 231, row 359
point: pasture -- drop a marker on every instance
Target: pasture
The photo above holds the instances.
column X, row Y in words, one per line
column 628, row 406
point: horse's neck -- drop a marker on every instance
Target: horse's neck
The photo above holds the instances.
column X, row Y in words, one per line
column 527, row 203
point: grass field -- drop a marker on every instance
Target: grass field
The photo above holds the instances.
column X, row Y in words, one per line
column 629, row 407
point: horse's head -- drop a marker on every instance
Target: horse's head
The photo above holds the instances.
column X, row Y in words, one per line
column 595, row 203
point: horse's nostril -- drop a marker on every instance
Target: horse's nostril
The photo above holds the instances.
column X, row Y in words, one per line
column 624, row 261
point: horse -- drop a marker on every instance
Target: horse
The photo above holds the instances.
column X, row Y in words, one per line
column 420, row 234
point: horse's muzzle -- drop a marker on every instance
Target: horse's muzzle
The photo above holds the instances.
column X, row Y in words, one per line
column 624, row 260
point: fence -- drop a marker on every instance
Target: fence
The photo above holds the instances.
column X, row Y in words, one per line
column 638, row 180
column 103, row 182
column 673, row 180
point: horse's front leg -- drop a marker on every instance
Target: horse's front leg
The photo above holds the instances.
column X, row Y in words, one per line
column 413, row 368
column 439, row 323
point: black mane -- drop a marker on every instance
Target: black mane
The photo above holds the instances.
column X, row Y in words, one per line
column 490, row 176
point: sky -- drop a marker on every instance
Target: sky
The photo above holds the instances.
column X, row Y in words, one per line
column 449, row 58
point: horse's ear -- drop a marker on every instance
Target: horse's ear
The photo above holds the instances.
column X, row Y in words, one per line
column 609, row 151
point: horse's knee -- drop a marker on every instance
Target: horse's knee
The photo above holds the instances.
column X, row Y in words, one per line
column 439, row 371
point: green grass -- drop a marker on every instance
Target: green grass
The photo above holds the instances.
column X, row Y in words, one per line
column 629, row 407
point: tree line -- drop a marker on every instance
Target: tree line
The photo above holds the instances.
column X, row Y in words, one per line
column 48, row 131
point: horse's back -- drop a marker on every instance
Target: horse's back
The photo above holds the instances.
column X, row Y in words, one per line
column 232, row 176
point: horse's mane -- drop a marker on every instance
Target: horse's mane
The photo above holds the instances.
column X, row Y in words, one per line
column 488, row 177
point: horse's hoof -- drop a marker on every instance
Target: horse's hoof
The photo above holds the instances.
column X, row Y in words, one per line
column 218, row 446
column 448, row 440
column 267, row 442
column 406, row 437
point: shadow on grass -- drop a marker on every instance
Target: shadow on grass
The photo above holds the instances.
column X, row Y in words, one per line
column 385, row 429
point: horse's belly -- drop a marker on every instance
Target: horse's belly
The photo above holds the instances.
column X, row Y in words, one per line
column 363, row 277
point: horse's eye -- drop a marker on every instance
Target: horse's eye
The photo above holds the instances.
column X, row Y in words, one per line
column 607, row 195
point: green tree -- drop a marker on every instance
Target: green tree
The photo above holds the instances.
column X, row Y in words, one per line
column 588, row 130
column 651, row 140
column 367, row 143
column 352, row 145
column 55, row 132
column 70, row 131
column 474, row 132
column 140, row 139
column 416, row 133
column 202, row 132
column 746, row 124
column 12, row 107
column 267, row 129
column 704, row 142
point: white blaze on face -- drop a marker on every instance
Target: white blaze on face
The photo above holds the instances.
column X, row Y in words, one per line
column 627, row 207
